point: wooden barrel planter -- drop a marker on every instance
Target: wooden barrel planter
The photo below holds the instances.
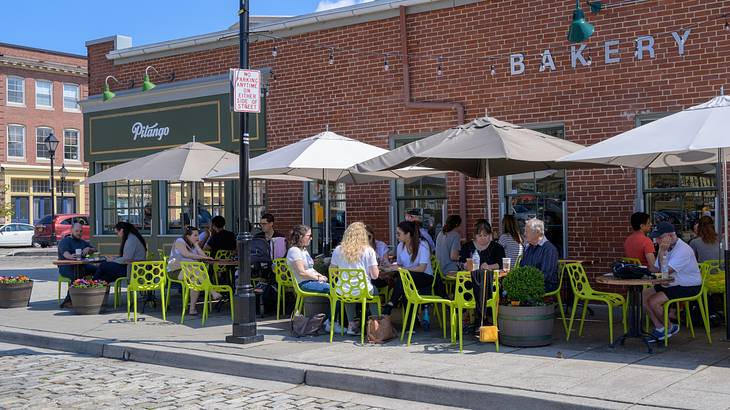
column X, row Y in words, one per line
column 87, row 301
column 526, row 326
column 15, row 295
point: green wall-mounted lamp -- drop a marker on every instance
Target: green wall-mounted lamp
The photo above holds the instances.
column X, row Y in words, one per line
column 580, row 30
column 146, row 83
column 108, row 94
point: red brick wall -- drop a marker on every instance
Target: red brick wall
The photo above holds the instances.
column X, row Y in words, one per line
column 357, row 98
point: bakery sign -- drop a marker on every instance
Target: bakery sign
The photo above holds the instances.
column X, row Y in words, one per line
column 644, row 47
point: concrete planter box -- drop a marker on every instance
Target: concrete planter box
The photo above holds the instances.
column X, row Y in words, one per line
column 15, row 295
column 526, row 326
column 87, row 301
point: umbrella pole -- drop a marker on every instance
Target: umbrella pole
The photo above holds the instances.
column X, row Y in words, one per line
column 721, row 155
column 488, row 216
column 194, row 219
column 326, row 214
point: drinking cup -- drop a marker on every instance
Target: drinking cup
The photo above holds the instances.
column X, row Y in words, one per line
column 506, row 264
column 78, row 253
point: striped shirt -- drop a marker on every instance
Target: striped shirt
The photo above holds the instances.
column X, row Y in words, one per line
column 512, row 248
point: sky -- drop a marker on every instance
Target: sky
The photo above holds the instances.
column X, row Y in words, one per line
column 65, row 25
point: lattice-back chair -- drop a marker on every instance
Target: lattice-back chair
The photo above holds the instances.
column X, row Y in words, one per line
column 301, row 294
column 582, row 290
column 415, row 300
column 700, row 298
column 145, row 277
column 464, row 299
column 223, row 254
column 438, row 273
column 557, row 293
column 350, row 286
column 715, row 282
column 195, row 277
column 283, row 282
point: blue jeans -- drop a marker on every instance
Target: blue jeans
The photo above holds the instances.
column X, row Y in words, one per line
column 110, row 271
column 314, row 286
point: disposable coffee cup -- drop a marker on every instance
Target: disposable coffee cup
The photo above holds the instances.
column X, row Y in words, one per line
column 469, row 264
column 506, row 264
column 78, row 253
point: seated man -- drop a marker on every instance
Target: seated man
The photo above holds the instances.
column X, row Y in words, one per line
column 638, row 245
column 67, row 250
column 220, row 238
column 679, row 258
column 540, row 253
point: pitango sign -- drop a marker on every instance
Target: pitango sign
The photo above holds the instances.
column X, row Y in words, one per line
column 644, row 46
column 140, row 130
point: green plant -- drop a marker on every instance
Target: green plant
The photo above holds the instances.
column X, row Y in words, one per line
column 88, row 283
column 525, row 284
column 14, row 280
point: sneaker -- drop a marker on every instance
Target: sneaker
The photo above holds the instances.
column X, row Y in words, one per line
column 327, row 325
column 353, row 331
column 673, row 330
column 657, row 336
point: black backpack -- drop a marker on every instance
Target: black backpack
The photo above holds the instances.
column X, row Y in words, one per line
column 623, row 270
column 260, row 255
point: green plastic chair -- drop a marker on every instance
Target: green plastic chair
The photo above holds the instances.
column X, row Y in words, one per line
column 118, row 289
column 301, row 294
column 195, row 277
column 556, row 294
column 715, row 282
column 700, row 298
column 349, row 286
column 464, row 299
column 223, row 269
column 169, row 278
column 283, row 282
column 146, row 276
column 415, row 300
column 67, row 281
column 449, row 281
column 582, row 291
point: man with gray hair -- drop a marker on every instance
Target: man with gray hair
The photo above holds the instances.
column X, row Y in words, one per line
column 540, row 253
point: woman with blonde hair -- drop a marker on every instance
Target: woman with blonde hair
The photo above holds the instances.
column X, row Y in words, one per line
column 355, row 252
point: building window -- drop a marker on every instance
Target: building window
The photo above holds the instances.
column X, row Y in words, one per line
column 71, row 97
column 540, row 195
column 71, row 145
column 41, row 133
column 129, row 201
column 18, row 185
column 21, row 209
column 43, row 93
column 337, row 216
column 16, row 141
column 42, row 186
column 16, row 90
column 41, row 207
column 257, row 201
column 67, row 187
column 427, row 194
column 180, row 202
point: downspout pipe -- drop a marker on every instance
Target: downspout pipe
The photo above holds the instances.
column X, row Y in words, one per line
column 432, row 106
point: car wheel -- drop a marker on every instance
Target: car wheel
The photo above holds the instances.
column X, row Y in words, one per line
column 43, row 244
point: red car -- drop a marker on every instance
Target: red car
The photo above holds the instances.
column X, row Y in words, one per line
column 63, row 223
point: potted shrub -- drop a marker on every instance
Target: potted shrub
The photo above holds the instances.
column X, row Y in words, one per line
column 15, row 291
column 525, row 320
column 87, row 296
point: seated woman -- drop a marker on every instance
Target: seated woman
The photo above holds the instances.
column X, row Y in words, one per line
column 132, row 249
column 380, row 247
column 187, row 249
column 511, row 239
column 355, row 252
column 301, row 263
column 413, row 254
column 448, row 244
column 490, row 251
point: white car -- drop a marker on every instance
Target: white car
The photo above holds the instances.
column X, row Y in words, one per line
column 16, row 234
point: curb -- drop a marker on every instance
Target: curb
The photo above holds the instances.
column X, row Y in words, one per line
column 402, row 387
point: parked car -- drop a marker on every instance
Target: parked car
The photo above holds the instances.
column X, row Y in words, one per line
column 16, row 234
column 63, row 223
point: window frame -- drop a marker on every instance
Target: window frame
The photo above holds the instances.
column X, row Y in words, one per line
column 127, row 185
column 43, row 106
column 7, row 91
column 7, row 130
column 78, row 97
column 78, row 145
column 38, row 157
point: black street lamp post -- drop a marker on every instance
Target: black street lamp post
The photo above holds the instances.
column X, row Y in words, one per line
column 64, row 173
column 244, row 320
column 51, row 145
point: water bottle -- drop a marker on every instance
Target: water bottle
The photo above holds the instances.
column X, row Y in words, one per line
column 475, row 258
column 425, row 320
column 664, row 266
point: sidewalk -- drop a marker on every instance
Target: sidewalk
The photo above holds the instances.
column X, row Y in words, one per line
column 582, row 373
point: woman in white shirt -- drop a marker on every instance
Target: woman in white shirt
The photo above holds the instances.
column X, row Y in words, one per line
column 187, row 249
column 355, row 252
column 302, row 264
column 414, row 255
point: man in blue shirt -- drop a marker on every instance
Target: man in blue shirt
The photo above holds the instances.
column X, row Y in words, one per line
column 540, row 253
column 67, row 250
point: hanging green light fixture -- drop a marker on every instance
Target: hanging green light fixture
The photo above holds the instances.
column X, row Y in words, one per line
column 108, row 94
column 146, row 83
column 580, row 29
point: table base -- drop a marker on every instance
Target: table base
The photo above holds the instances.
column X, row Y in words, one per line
column 635, row 312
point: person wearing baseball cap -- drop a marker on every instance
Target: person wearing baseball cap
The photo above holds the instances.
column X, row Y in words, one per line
column 677, row 258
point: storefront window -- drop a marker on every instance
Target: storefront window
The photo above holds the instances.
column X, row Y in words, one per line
column 427, row 194
column 179, row 204
column 338, row 208
column 21, row 209
column 129, row 201
column 540, row 195
column 257, row 201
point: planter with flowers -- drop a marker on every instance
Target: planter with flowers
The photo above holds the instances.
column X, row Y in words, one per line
column 525, row 320
column 87, row 296
column 15, row 291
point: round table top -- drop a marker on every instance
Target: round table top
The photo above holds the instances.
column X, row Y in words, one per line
column 609, row 279
column 223, row 262
column 67, row 262
column 452, row 274
column 582, row 261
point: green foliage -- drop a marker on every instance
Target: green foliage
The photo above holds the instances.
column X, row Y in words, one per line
column 525, row 284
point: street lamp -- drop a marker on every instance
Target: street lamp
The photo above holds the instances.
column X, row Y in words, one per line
column 244, row 319
column 51, row 145
column 64, row 174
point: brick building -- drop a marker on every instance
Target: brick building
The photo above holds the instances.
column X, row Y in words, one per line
column 646, row 59
column 39, row 94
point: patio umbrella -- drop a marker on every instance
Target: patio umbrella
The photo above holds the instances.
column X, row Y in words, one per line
column 483, row 148
column 326, row 156
column 697, row 135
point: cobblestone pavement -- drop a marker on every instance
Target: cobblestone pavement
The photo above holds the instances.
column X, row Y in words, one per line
column 37, row 378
